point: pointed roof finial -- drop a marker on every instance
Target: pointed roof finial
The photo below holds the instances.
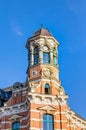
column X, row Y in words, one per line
column 42, row 25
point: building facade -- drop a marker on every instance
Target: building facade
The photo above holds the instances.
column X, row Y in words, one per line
column 41, row 102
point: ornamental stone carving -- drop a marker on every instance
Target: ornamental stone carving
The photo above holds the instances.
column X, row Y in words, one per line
column 14, row 117
column 61, row 90
column 40, row 42
column 46, row 73
column 34, row 85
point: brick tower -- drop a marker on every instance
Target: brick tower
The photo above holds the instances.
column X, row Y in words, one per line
column 47, row 96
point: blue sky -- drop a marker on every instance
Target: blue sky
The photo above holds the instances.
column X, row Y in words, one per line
column 66, row 20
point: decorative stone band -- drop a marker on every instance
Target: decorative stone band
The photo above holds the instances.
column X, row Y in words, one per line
column 76, row 120
column 18, row 108
column 41, row 120
column 47, row 99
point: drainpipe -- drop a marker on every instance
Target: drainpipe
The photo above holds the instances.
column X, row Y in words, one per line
column 59, row 101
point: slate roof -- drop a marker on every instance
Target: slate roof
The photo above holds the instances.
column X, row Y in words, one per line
column 42, row 31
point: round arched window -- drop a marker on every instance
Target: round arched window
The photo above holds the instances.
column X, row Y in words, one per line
column 16, row 126
column 47, row 89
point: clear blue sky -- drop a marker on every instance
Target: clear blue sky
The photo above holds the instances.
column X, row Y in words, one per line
column 66, row 20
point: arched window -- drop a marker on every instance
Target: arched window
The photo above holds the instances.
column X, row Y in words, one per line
column 48, row 122
column 46, row 55
column 36, row 55
column 55, row 56
column 47, row 89
column 16, row 126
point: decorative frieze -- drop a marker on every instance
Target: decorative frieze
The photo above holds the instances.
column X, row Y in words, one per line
column 18, row 108
column 46, row 73
column 76, row 120
column 34, row 85
column 46, row 99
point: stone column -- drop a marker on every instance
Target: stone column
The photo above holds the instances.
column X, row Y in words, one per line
column 31, row 55
column 51, row 56
column 40, row 55
column 31, row 58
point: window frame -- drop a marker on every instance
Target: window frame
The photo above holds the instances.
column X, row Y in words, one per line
column 36, row 55
column 14, row 125
column 46, row 55
column 55, row 56
column 48, row 122
column 47, row 88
